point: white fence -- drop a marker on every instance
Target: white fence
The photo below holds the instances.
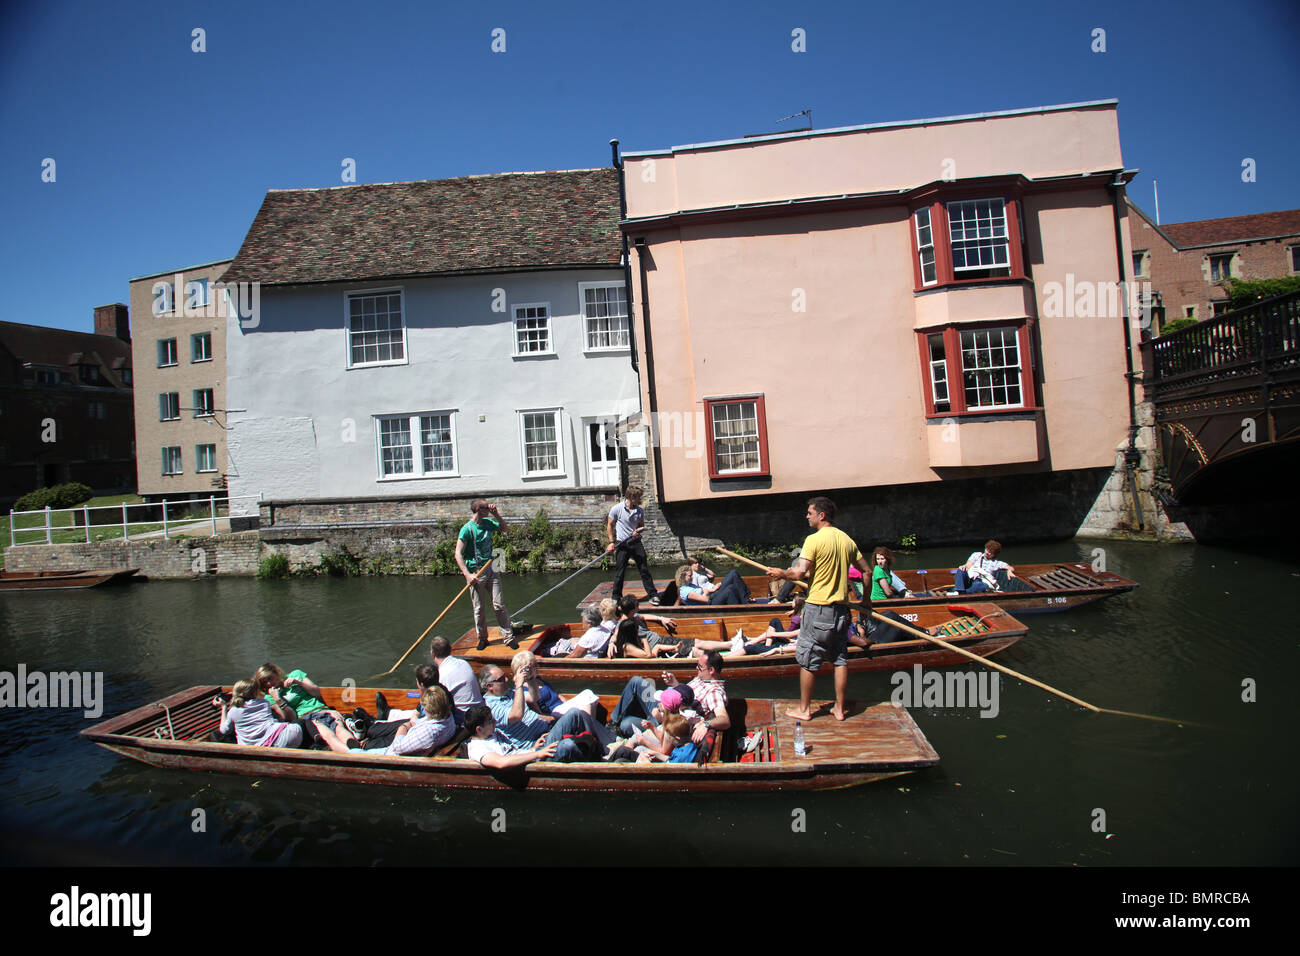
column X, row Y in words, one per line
column 52, row 524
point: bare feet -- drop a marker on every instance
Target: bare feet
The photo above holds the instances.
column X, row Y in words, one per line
column 838, row 712
column 798, row 714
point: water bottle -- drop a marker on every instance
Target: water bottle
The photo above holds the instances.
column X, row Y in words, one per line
column 799, row 749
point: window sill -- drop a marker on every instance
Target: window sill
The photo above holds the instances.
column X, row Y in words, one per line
column 535, row 355
column 614, row 350
column 544, row 474
column 738, row 475
column 358, row 365
column 195, row 361
column 985, row 414
column 424, row 477
column 948, row 285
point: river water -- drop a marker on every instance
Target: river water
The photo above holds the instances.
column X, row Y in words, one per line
column 1043, row 782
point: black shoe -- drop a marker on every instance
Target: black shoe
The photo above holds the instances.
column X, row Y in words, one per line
column 482, row 644
column 513, row 644
column 381, row 706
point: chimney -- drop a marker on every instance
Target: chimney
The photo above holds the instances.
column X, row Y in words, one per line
column 113, row 320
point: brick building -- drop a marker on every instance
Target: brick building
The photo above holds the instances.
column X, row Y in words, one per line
column 66, row 405
column 1186, row 262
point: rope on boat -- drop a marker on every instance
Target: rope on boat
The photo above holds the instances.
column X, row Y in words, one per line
column 170, row 729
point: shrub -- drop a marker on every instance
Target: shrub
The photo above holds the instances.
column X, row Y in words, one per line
column 1176, row 324
column 59, row 496
column 1244, row 292
column 273, row 568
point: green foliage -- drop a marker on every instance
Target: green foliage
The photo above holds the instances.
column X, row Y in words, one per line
column 60, row 496
column 907, row 542
column 1244, row 292
column 339, row 564
column 273, row 568
column 1176, row 324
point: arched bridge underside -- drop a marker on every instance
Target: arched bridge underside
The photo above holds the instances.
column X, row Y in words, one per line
column 1227, row 415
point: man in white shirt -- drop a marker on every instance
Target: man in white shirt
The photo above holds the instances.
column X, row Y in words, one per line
column 455, row 675
column 979, row 573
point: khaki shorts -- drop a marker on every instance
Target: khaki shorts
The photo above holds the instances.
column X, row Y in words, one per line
column 823, row 636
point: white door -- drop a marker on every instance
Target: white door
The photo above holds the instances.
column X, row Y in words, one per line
column 602, row 451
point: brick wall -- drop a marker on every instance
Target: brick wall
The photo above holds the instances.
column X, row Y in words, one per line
column 234, row 554
column 312, row 514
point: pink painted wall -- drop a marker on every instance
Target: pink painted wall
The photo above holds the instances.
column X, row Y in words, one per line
column 843, row 382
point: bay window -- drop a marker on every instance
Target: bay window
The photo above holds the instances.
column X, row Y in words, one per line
column 965, row 240
column 982, row 369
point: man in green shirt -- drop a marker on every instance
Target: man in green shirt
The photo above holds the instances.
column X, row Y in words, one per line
column 473, row 552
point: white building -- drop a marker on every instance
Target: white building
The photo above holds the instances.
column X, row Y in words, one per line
column 452, row 336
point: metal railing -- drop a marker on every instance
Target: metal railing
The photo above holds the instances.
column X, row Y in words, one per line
column 54, row 525
column 1260, row 339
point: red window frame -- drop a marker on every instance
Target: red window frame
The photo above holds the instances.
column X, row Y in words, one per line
column 956, row 380
column 941, row 233
column 760, row 413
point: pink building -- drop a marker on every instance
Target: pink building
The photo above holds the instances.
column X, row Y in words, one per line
column 886, row 305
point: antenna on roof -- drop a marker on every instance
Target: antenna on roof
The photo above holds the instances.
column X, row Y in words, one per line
column 1155, row 188
column 807, row 113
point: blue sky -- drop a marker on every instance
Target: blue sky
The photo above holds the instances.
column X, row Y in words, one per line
column 162, row 155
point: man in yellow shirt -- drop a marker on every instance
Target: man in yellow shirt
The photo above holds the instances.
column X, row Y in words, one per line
column 824, row 629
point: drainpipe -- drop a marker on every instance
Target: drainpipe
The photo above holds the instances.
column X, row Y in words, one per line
column 627, row 264
column 1132, row 457
column 651, row 394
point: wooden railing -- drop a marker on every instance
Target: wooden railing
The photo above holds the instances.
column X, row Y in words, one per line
column 1259, row 340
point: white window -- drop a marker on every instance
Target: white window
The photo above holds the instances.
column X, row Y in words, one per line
column 604, row 311
column 169, row 406
column 376, row 334
column 533, row 329
column 1221, row 267
column 166, row 352
column 171, row 460
column 978, row 228
column 205, row 457
column 925, row 246
column 201, row 347
column 990, row 368
column 398, row 457
column 938, row 372
column 539, row 433
column 196, row 293
column 204, row 406
column 736, row 445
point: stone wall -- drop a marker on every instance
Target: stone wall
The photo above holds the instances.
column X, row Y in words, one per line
column 287, row 515
column 235, row 554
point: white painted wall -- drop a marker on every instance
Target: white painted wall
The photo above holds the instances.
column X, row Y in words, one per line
column 302, row 424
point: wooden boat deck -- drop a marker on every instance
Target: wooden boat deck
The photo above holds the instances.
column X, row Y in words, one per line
column 1043, row 588
column 980, row 628
column 63, row 580
column 874, row 743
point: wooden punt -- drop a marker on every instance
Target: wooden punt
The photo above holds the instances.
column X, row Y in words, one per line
column 1046, row 587
column 874, row 743
column 62, row 580
column 980, row 628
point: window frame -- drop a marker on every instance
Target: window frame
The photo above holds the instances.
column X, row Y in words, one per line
column 514, row 330
column 557, row 421
column 1293, row 259
column 415, row 431
column 195, row 338
column 204, row 298
column 1142, row 263
column 937, row 201
column 1225, row 258
column 583, row 287
column 172, row 351
column 179, row 460
column 173, row 410
column 764, row 468
column 198, row 459
column 400, row 292
column 956, row 384
column 202, row 409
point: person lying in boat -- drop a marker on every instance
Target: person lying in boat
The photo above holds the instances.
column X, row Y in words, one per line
column 730, row 590
column 377, row 733
column 417, row 737
column 257, row 721
column 667, row 740
column 638, row 701
column 539, row 696
column 299, row 693
column 600, row 628
column 632, row 638
column 983, row 571
column 523, row 726
column 700, row 575
column 494, row 749
column 775, row 639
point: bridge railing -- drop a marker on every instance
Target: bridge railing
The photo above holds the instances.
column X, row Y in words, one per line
column 1263, row 338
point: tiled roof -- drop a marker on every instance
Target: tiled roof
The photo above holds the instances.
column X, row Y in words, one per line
column 44, row 346
column 1205, row 232
column 499, row 223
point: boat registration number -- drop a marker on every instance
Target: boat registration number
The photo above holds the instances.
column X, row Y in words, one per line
column 1057, row 600
column 909, row 617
